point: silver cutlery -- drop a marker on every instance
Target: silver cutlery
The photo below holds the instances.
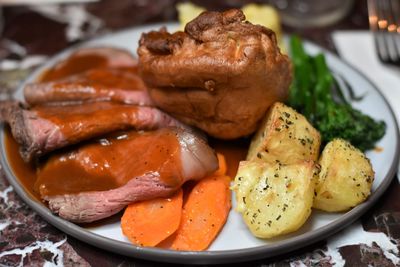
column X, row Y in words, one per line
column 384, row 21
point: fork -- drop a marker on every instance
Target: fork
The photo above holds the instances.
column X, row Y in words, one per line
column 384, row 21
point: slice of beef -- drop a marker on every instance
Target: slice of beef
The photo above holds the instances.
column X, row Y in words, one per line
column 221, row 74
column 100, row 178
column 88, row 58
column 103, row 84
column 42, row 129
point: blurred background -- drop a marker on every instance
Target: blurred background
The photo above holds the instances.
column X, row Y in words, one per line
column 33, row 30
column 45, row 27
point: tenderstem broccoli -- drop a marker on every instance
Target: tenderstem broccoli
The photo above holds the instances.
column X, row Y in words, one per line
column 311, row 93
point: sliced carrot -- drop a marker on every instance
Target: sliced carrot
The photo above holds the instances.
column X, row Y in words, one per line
column 167, row 243
column 222, row 168
column 149, row 222
column 204, row 214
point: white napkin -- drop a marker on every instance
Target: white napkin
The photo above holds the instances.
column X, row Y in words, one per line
column 357, row 48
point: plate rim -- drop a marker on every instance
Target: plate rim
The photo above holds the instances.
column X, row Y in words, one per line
column 202, row 257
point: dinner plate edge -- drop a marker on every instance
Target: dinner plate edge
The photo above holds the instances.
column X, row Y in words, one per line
column 204, row 257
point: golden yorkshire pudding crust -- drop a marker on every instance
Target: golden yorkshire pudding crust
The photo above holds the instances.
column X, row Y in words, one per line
column 220, row 75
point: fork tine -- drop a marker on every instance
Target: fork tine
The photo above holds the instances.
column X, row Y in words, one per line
column 390, row 31
column 395, row 27
column 374, row 21
column 380, row 36
column 384, row 24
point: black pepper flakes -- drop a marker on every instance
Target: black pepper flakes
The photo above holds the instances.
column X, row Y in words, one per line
column 284, row 207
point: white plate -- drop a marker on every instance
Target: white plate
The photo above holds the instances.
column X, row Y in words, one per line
column 235, row 242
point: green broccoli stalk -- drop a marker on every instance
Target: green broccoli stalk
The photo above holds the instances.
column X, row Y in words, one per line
column 311, row 94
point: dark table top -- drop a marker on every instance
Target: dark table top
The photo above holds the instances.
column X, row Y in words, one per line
column 36, row 33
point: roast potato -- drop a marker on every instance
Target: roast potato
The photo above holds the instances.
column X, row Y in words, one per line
column 274, row 198
column 285, row 135
column 345, row 179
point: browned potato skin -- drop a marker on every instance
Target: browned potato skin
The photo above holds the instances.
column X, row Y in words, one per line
column 345, row 179
column 275, row 186
column 285, row 135
column 274, row 199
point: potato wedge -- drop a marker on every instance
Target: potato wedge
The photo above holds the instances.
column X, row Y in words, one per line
column 274, row 199
column 285, row 135
column 345, row 179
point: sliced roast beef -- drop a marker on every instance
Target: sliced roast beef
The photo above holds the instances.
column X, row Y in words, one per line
column 45, row 128
column 103, row 84
column 100, row 178
column 88, row 58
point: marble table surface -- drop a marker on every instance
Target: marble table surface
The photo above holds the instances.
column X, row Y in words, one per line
column 30, row 34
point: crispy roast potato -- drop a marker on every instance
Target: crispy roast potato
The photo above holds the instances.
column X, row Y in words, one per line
column 345, row 179
column 274, row 199
column 285, row 135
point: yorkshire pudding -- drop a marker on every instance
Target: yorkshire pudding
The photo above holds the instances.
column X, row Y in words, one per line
column 221, row 74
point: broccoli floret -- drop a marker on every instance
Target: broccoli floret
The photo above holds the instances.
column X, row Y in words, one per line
column 311, row 94
column 350, row 124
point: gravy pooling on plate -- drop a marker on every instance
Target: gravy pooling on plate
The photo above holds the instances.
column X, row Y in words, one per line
column 25, row 172
column 234, row 152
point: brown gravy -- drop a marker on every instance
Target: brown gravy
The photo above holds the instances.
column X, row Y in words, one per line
column 54, row 177
column 120, row 78
column 24, row 172
column 73, row 65
column 78, row 118
column 111, row 162
column 234, row 152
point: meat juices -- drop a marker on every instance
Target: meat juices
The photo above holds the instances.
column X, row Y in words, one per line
column 100, row 178
column 43, row 129
column 221, row 74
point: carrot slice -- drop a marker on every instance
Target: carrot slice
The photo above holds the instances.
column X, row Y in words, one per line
column 222, row 168
column 204, row 214
column 149, row 222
